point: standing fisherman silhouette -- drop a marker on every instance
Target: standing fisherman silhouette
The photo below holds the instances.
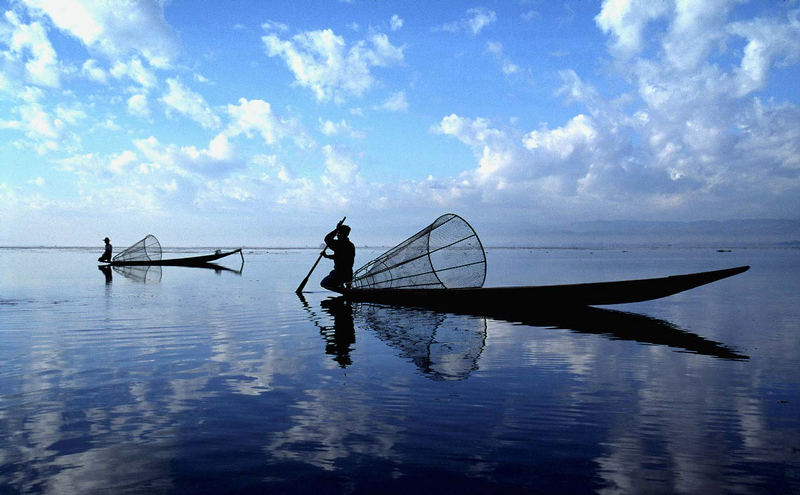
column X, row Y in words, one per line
column 106, row 257
column 344, row 253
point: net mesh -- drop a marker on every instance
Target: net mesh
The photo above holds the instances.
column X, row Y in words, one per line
column 148, row 249
column 446, row 254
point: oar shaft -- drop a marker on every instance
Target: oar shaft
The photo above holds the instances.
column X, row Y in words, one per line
column 305, row 280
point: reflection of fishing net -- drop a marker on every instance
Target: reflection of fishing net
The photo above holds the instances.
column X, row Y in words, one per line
column 145, row 274
column 445, row 254
column 148, row 249
column 443, row 346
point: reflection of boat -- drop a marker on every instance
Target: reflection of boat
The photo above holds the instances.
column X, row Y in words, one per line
column 620, row 325
column 543, row 296
column 217, row 268
column 152, row 273
column 402, row 326
column 147, row 252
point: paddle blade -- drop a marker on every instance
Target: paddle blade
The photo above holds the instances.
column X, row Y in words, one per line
column 301, row 286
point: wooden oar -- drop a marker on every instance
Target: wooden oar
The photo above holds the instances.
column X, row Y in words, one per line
column 305, row 280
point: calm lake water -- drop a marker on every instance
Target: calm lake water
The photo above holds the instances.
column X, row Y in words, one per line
column 191, row 380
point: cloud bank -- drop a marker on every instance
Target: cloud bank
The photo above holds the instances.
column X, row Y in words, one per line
column 678, row 119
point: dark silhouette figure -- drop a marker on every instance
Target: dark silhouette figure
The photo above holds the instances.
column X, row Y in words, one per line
column 107, row 272
column 106, row 257
column 344, row 253
column 339, row 342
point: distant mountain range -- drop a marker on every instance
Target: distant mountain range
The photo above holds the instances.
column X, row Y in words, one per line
column 749, row 232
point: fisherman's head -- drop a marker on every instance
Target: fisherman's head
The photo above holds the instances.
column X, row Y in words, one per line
column 344, row 231
column 107, row 240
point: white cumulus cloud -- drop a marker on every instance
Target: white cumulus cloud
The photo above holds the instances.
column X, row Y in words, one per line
column 341, row 171
column 135, row 70
column 93, row 71
column 770, row 42
column 216, row 160
column 626, row 20
column 474, row 22
column 330, row 128
column 324, row 63
column 397, row 102
column 137, row 105
column 396, row 22
column 115, row 29
column 43, row 129
column 479, row 18
column 190, row 104
column 29, row 46
column 496, row 48
column 254, row 117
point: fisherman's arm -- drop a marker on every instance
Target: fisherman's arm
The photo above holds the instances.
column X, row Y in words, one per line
column 329, row 239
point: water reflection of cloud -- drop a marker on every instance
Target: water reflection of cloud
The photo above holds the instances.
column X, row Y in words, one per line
column 328, row 431
column 686, row 420
column 64, row 447
column 570, row 351
column 113, row 468
column 257, row 376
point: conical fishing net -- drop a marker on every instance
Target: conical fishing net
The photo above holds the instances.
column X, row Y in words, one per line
column 446, row 254
column 148, row 249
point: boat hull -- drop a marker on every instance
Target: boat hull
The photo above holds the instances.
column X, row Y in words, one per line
column 188, row 261
column 587, row 294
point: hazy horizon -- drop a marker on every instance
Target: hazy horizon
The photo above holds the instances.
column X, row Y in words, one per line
column 731, row 233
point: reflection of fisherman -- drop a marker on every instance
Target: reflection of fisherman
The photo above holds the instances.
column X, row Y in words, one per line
column 344, row 254
column 107, row 272
column 344, row 336
column 106, row 257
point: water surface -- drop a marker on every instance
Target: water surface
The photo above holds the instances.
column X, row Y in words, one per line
column 183, row 379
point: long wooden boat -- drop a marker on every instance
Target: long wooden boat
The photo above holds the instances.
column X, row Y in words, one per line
column 543, row 296
column 196, row 261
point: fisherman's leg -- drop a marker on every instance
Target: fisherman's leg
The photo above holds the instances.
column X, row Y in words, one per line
column 329, row 281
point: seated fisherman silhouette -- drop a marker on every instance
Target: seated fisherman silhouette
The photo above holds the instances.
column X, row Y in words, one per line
column 106, row 256
column 344, row 253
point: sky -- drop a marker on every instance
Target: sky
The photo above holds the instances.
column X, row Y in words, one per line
column 242, row 123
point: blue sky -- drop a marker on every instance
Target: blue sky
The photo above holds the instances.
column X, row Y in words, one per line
column 263, row 123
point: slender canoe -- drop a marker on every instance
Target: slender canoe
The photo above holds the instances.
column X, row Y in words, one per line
column 542, row 296
column 200, row 261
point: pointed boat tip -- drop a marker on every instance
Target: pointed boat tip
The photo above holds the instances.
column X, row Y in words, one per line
column 735, row 270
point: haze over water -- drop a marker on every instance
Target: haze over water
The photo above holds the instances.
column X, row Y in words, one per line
column 190, row 380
